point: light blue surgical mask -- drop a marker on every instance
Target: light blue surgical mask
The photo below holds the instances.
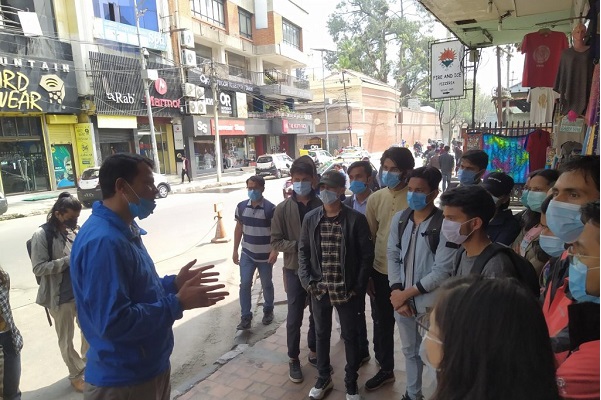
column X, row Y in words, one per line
column 302, row 188
column 524, row 198
column 358, row 187
column 417, row 201
column 551, row 245
column 466, row 177
column 328, row 196
column 142, row 209
column 577, row 277
column 254, row 194
column 391, row 179
column 535, row 200
column 564, row 220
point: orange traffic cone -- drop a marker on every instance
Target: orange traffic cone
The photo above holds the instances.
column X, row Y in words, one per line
column 220, row 235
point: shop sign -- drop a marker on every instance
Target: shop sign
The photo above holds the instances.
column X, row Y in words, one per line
column 295, row 127
column 229, row 127
column 226, row 103
column 202, row 128
column 84, row 139
column 198, row 77
column 446, row 69
column 163, row 89
column 123, row 33
column 121, row 98
column 178, row 137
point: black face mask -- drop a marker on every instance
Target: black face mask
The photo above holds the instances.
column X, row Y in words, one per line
column 70, row 223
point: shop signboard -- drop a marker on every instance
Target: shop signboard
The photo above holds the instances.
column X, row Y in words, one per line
column 291, row 126
column 178, row 137
column 198, row 77
column 84, row 139
column 126, row 34
column 227, row 103
column 446, row 69
column 231, row 127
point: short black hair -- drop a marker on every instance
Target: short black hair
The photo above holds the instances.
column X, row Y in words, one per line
column 361, row 164
column 473, row 200
column 303, row 165
column 259, row 180
column 447, row 148
column 590, row 213
column 429, row 174
column 477, row 157
column 120, row 165
column 550, row 175
column 400, row 156
column 588, row 165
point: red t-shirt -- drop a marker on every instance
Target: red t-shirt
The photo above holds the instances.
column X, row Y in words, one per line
column 543, row 52
column 578, row 376
column 536, row 144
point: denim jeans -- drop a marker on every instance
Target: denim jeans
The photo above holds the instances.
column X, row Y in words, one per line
column 348, row 313
column 410, row 342
column 12, row 368
column 297, row 300
column 446, row 180
column 382, row 314
column 247, row 273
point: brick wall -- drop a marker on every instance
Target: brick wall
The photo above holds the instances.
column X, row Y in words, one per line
column 272, row 34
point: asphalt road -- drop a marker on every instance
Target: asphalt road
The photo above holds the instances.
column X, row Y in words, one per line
column 179, row 231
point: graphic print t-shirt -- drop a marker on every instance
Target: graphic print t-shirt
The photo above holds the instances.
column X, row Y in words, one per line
column 543, row 52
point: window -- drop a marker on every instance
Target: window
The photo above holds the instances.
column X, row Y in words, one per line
column 122, row 11
column 209, row 10
column 291, row 34
column 245, row 19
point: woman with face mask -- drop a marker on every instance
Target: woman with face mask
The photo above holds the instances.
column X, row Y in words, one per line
column 487, row 339
column 50, row 258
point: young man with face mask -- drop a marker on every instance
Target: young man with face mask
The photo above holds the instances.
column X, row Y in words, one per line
column 285, row 234
column 578, row 375
column 503, row 227
column 396, row 164
column 472, row 166
column 577, row 185
column 126, row 311
column 253, row 224
column 336, row 252
column 467, row 211
column 415, row 270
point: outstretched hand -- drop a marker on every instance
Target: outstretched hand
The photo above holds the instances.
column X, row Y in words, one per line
column 186, row 274
column 194, row 293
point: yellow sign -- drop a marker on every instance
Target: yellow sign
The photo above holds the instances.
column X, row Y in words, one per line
column 85, row 145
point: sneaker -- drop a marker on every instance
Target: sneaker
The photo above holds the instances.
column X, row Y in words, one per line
column 365, row 359
column 244, row 324
column 312, row 360
column 296, row 373
column 267, row 317
column 321, row 388
column 352, row 392
column 379, row 380
column 78, row 384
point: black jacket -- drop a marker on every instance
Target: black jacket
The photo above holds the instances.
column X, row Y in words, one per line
column 503, row 228
column 357, row 249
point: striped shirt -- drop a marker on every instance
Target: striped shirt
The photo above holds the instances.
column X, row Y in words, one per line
column 256, row 228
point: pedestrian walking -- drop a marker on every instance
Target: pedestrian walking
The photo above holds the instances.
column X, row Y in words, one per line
column 11, row 343
column 186, row 169
column 126, row 310
column 253, row 230
column 50, row 257
column 447, row 165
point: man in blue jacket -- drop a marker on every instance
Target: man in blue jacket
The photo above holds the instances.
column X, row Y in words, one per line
column 125, row 310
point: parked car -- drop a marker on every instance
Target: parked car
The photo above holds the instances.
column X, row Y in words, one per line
column 274, row 164
column 353, row 152
column 3, row 204
column 319, row 156
column 88, row 187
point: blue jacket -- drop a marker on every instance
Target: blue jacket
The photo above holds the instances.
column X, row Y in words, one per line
column 125, row 310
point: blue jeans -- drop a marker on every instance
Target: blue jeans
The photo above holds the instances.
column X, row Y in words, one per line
column 12, row 368
column 446, row 180
column 247, row 272
column 410, row 342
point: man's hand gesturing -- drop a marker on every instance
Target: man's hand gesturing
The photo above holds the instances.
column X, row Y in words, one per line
column 194, row 293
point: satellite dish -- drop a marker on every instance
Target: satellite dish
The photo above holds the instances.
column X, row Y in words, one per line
column 317, row 121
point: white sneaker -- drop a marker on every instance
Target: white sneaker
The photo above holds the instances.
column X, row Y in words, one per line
column 353, row 396
column 321, row 388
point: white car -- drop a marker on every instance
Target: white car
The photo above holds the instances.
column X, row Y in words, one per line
column 274, row 164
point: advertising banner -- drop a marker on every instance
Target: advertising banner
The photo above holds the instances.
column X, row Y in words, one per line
column 62, row 158
column 446, row 70
column 84, row 139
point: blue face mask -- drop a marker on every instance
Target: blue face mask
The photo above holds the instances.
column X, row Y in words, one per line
column 302, row 188
column 358, row 187
column 551, row 245
column 328, row 196
column 524, row 198
column 466, row 177
column 564, row 220
column 577, row 277
column 391, row 179
column 535, row 200
column 142, row 209
column 417, row 201
column 254, row 194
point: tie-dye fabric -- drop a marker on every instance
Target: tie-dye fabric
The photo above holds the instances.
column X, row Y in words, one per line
column 507, row 154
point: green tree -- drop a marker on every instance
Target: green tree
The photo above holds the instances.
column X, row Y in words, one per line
column 461, row 109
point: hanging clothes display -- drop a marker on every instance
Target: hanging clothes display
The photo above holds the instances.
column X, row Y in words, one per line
column 592, row 32
column 543, row 52
column 536, row 145
column 592, row 110
column 542, row 101
column 507, row 154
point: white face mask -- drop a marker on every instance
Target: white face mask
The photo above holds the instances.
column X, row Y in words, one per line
column 451, row 230
column 423, row 352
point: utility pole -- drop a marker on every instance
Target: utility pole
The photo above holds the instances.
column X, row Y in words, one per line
column 145, row 78
column 348, row 112
column 218, row 158
column 325, row 108
column 508, row 51
column 499, row 89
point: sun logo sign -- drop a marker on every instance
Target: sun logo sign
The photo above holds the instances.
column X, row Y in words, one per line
column 447, row 57
column 55, row 87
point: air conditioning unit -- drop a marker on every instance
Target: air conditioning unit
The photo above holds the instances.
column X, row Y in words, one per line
column 188, row 39
column 200, row 92
column 196, row 107
column 189, row 90
column 189, row 58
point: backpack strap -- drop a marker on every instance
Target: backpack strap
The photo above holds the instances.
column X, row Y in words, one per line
column 403, row 221
column 433, row 230
column 483, row 258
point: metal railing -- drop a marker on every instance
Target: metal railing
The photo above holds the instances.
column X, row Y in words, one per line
column 519, row 128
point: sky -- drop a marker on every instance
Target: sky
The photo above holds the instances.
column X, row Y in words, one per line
column 316, row 36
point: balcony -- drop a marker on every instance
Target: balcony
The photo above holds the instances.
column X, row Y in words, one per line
column 278, row 85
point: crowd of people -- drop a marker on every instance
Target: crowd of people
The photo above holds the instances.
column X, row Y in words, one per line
column 498, row 305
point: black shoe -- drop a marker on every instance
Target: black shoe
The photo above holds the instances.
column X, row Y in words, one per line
column 321, row 388
column 244, row 324
column 267, row 317
column 406, row 397
column 296, row 373
column 379, row 380
column 312, row 360
column 352, row 391
column 365, row 359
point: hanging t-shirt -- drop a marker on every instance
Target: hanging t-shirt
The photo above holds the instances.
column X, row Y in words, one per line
column 574, row 79
column 543, row 52
column 541, row 101
column 536, row 145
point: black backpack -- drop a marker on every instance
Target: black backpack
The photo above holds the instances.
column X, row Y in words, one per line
column 432, row 232
column 49, row 238
column 523, row 269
